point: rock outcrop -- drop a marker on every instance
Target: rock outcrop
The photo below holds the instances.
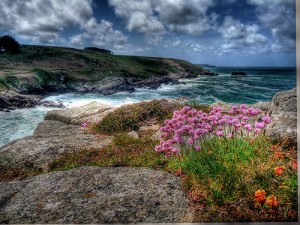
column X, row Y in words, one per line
column 78, row 115
column 284, row 116
column 60, row 133
column 11, row 100
column 95, row 195
column 238, row 73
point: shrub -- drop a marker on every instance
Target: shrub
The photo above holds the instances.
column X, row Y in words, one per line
column 9, row 44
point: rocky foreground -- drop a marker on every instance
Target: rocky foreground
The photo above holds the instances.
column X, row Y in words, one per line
column 102, row 194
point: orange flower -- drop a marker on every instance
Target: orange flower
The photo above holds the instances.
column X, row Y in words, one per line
column 279, row 170
column 260, row 196
column 272, row 202
column 279, row 155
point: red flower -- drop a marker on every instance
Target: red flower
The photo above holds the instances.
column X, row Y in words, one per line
column 279, row 170
column 260, row 196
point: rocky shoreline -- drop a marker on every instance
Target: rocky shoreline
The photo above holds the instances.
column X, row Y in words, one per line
column 102, row 194
column 11, row 100
column 14, row 99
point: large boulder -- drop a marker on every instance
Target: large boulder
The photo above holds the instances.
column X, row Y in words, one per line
column 284, row 116
column 59, row 133
column 78, row 115
column 95, row 195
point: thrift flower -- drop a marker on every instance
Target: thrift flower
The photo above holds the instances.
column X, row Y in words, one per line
column 198, row 148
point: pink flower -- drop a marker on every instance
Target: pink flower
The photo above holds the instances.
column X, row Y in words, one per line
column 219, row 133
column 191, row 141
column 259, row 125
column 230, row 135
column 248, row 127
column 266, row 119
column 198, row 148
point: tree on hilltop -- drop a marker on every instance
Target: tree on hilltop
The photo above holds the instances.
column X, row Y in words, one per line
column 9, row 44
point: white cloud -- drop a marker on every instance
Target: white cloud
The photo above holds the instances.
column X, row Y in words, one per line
column 280, row 17
column 44, row 20
column 238, row 36
column 153, row 39
column 155, row 17
column 141, row 50
column 176, row 43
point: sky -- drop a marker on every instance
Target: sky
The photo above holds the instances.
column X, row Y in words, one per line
column 216, row 32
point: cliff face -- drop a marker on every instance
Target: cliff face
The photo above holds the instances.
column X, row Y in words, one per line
column 41, row 69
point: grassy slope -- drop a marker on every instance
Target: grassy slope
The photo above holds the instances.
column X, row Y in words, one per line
column 38, row 64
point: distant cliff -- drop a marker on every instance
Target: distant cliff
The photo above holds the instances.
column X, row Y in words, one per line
column 44, row 70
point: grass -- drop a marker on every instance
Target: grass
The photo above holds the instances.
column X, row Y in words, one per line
column 11, row 174
column 131, row 117
column 124, row 151
column 226, row 174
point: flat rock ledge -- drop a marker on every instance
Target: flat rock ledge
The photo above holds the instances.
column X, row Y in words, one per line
column 59, row 133
column 95, row 195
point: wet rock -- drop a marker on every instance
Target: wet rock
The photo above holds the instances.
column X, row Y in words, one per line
column 11, row 100
column 51, row 104
column 238, row 73
column 209, row 73
column 95, row 195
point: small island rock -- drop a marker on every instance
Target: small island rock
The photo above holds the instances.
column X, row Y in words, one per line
column 238, row 73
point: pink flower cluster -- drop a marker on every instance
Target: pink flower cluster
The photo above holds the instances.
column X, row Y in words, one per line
column 190, row 127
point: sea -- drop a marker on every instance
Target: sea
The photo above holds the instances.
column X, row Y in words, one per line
column 260, row 84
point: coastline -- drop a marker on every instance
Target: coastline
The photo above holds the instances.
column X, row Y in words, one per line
column 61, row 134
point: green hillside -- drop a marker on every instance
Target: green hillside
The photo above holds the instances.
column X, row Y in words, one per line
column 40, row 68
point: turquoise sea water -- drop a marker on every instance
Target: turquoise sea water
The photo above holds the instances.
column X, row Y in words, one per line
column 259, row 85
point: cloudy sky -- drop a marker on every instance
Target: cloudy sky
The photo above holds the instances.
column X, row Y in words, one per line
column 217, row 32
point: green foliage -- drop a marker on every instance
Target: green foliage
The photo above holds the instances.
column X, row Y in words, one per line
column 132, row 116
column 226, row 172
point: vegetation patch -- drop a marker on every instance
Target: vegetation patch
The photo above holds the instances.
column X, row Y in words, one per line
column 11, row 174
column 124, row 151
column 131, row 117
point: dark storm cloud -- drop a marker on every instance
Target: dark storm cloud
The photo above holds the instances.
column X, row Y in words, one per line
column 280, row 17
